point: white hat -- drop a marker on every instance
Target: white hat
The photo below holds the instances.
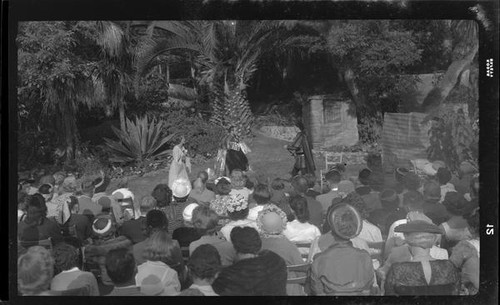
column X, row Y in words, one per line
column 123, row 193
column 187, row 214
column 181, row 188
column 254, row 212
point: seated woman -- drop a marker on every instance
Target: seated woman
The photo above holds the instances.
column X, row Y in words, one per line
column 352, row 273
column 204, row 265
column 422, row 275
column 238, row 182
column 300, row 230
column 237, row 211
column 35, row 270
column 456, row 228
column 69, row 276
column 163, row 264
column 465, row 256
column 256, row 272
column 271, row 223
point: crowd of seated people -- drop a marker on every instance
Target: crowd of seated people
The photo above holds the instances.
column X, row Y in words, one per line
column 238, row 236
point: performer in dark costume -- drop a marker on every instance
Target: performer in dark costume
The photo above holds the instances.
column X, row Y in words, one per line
column 232, row 156
column 301, row 150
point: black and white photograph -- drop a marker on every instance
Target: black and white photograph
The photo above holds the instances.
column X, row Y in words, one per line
column 254, row 155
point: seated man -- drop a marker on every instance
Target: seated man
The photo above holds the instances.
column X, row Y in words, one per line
column 369, row 195
column 133, row 228
column 254, row 273
column 342, row 269
column 121, row 268
column 332, row 180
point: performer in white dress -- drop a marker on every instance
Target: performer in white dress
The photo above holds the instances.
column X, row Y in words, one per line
column 181, row 163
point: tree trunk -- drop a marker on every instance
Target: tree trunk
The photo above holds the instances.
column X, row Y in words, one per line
column 357, row 96
column 69, row 136
column 121, row 109
column 439, row 93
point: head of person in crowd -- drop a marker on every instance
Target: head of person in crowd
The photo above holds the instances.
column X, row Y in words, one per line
column 35, row 270
column 249, row 184
column 298, row 204
column 420, row 234
column 411, row 182
column 271, row 221
column 148, row 203
column 413, row 201
column 299, row 184
column 163, row 195
column 222, row 186
column 66, row 257
column 261, row 194
column 333, row 178
column 238, row 180
column 205, row 220
column 400, row 173
column 187, row 214
column 204, row 264
column 73, row 205
column 103, row 228
column 344, row 220
column 443, row 175
column 198, row 186
column 432, row 192
column 345, row 187
column 277, row 184
column 36, row 210
column 22, row 201
column 203, row 175
column 311, row 180
column 160, row 248
column 236, row 207
column 457, row 205
column 355, row 200
column 47, row 179
column 246, row 242
column 181, row 189
column 466, row 168
column 101, row 183
column 105, row 203
column 69, row 185
column 389, row 199
column 88, row 187
column 47, row 191
column 364, row 177
column 155, row 221
column 120, row 267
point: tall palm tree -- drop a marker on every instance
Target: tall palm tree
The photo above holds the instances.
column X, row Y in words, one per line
column 224, row 56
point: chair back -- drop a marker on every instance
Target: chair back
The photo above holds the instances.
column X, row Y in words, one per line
column 46, row 243
column 81, row 291
column 304, row 254
column 300, row 273
column 185, row 254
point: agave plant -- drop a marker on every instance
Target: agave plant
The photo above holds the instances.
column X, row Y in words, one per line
column 140, row 141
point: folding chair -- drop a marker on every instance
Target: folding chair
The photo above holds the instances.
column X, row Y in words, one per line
column 303, row 269
column 304, row 246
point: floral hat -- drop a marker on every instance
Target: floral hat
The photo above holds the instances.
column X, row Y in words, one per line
column 271, row 220
column 235, row 203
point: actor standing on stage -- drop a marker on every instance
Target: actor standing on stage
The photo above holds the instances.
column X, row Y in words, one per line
column 301, row 150
column 180, row 162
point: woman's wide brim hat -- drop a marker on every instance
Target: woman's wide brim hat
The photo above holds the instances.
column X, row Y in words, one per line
column 181, row 188
column 418, row 226
column 345, row 221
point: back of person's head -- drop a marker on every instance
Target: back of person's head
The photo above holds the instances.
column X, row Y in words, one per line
column 205, row 220
column 299, row 206
column 160, row 248
column 411, row 181
column 36, row 209
column 163, row 195
column 198, row 184
column 364, row 176
column 432, row 191
column 311, row 180
column 148, row 203
column 46, row 189
column 204, row 262
column 261, row 194
column 87, row 186
column 47, row 179
column 223, row 187
column 400, row 173
column 389, row 199
column 249, row 184
column 473, row 223
column 35, row 270
column 22, row 200
column 344, row 220
column 443, row 175
column 120, row 265
column 155, row 220
column 277, row 184
column 413, row 201
column 299, row 184
column 66, row 257
column 103, row 227
column 203, row 175
column 333, row 177
column 246, row 240
column 238, row 180
column 356, row 201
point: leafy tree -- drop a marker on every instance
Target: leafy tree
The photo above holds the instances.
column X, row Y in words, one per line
column 54, row 77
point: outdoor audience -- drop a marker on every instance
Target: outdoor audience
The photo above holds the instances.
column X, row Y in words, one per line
column 416, row 237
